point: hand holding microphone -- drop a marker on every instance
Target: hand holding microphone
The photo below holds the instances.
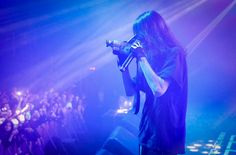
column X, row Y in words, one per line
column 126, row 51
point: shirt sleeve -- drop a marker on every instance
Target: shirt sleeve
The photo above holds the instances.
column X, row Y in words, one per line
column 173, row 68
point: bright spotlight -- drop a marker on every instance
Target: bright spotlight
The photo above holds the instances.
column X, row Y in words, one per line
column 209, row 145
column 197, row 145
column 216, row 152
column 205, row 152
column 191, row 147
column 217, row 147
column 18, row 93
column 194, row 150
column 92, row 68
column 122, row 111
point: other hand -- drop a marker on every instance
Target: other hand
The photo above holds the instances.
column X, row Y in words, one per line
column 137, row 50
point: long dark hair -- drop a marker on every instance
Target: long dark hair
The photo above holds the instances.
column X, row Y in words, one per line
column 155, row 34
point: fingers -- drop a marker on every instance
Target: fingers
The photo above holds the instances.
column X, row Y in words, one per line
column 139, row 44
column 136, row 45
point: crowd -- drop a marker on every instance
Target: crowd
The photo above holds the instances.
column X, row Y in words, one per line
column 28, row 121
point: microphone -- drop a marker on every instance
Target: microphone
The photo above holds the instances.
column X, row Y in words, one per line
column 126, row 63
column 122, row 49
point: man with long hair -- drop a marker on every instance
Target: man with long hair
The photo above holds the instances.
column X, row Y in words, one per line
column 162, row 76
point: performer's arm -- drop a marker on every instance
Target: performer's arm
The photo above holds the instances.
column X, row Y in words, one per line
column 155, row 82
column 128, row 83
